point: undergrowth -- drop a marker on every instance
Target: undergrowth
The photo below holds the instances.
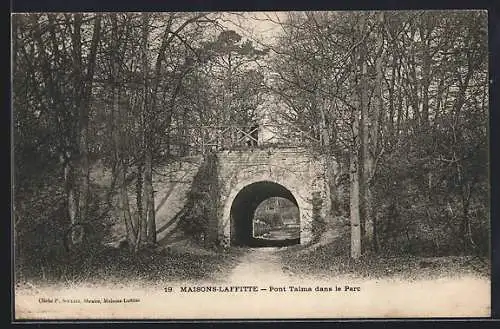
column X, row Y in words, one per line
column 119, row 264
column 327, row 261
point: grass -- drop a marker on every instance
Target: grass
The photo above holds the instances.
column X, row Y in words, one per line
column 326, row 261
column 119, row 266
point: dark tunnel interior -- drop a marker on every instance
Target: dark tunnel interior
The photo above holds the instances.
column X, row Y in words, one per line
column 243, row 211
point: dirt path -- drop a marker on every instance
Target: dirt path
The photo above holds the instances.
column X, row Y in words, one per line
column 259, row 265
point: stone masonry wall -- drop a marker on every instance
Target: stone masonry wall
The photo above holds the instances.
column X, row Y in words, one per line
column 299, row 170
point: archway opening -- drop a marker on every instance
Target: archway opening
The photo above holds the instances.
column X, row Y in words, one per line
column 276, row 218
column 245, row 231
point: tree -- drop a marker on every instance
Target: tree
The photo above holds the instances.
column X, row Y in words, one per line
column 381, row 87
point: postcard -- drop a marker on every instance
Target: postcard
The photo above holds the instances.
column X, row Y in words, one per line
column 251, row 165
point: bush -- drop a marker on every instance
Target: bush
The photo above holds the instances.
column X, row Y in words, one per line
column 42, row 231
column 200, row 209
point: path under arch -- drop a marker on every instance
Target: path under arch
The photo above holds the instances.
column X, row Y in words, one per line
column 243, row 210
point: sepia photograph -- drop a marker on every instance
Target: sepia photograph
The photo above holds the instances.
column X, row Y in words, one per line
column 250, row 165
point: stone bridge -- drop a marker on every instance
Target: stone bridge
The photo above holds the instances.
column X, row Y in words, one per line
column 248, row 177
column 247, row 171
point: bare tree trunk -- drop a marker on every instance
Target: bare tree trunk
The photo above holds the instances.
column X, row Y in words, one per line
column 390, row 128
column 426, row 77
column 399, row 104
column 118, row 127
column 354, row 156
column 149, row 206
column 149, row 198
column 77, row 203
column 142, row 197
column 413, row 83
column 84, row 164
column 148, row 227
column 354, row 199
column 71, row 194
column 121, row 171
column 371, row 224
column 465, row 233
column 365, row 156
column 367, row 134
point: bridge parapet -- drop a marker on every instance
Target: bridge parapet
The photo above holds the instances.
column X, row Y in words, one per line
column 202, row 139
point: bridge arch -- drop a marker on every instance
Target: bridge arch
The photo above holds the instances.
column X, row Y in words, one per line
column 245, row 197
column 243, row 210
